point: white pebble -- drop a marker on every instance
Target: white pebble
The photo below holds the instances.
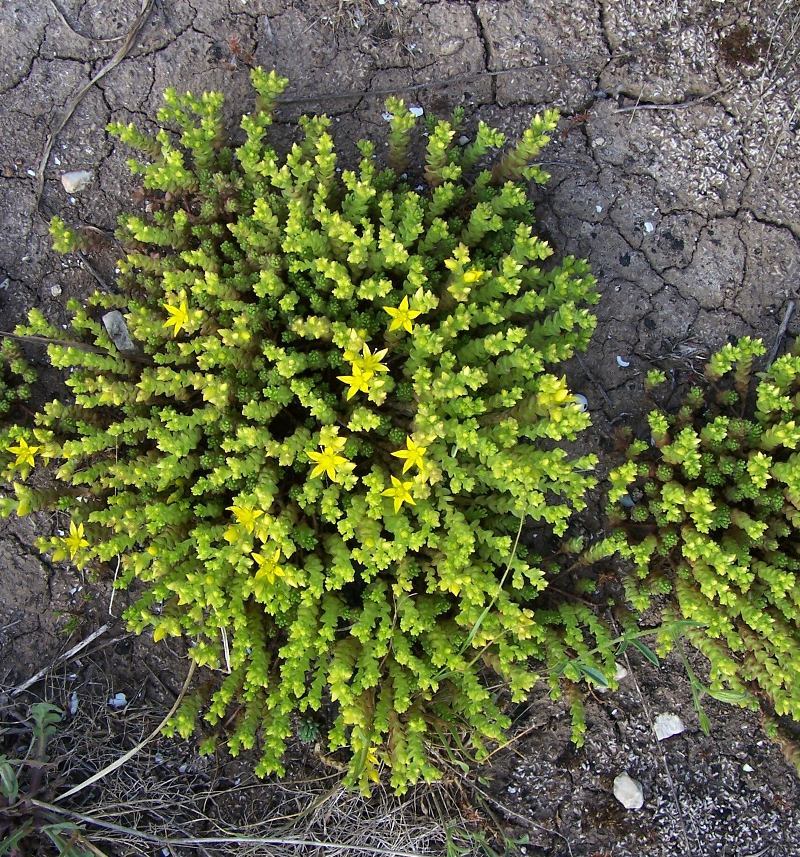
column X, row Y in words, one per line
column 31, row 173
column 648, row 227
column 628, row 792
column 117, row 701
column 622, row 362
column 73, row 703
column 463, row 140
column 581, row 401
column 598, row 208
column 76, row 181
column 415, row 110
column 620, row 672
column 667, row 725
column 55, row 291
column 748, row 769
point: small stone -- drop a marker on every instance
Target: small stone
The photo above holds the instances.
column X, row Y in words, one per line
column 748, row 769
column 463, row 140
column 118, row 701
column 628, row 792
column 31, row 173
column 4, row 284
column 598, row 209
column 416, row 111
column 622, row 362
column 387, row 117
column 55, row 291
column 581, row 401
column 627, row 501
column 620, row 672
column 667, row 725
column 114, row 323
column 648, row 227
column 76, row 181
column 73, row 703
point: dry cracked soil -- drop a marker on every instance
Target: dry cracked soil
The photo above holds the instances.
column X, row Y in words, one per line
column 674, row 172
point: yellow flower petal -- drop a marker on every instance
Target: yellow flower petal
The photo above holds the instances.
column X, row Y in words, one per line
column 178, row 315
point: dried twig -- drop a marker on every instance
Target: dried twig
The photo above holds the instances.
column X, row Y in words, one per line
column 776, row 346
column 72, row 104
column 680, row 105
column 517, row 816
column 67, row 656
column 71, row 343
column 670, row 780
column 593, row 378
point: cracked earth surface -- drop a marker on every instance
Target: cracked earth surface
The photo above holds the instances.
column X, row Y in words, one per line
column 674, row 173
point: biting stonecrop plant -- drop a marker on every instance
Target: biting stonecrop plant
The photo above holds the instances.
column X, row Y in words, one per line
column 317, row 462
column 710, row 508
column 16, row 378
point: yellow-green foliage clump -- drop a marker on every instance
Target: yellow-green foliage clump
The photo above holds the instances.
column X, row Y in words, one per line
column 317, row 466
column 16, row 377
column 715, row 522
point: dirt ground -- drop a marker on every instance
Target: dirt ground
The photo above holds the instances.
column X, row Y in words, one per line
column 675, row 172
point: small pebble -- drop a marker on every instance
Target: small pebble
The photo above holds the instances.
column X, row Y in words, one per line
column 667, row 725
column 627, row 501
column 463, row 140
column 628, row 792
column 117, row 701
column 31, row 173
column 73, row 703
column 4, row 284
column 415, row 110
column 582, row 402
column 76, row 181
column 748, row 769
column 620, row 672
column 648, row 227
column 55, row 291
column 114, row 323
column 598, row 208
column 622, row 362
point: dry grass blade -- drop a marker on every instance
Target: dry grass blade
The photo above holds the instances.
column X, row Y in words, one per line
column 283, row 842
column 61, row 659
column 78, row 33
column 131, row 753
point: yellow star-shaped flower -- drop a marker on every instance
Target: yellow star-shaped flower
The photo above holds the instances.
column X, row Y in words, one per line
column 178, row 315
column 369, row 362
column 400, row 493
column 402, row 316
column 473, row 276
column 412, row 454
column 358, row 382
column 246, row 517
column 328, row 461
column 75, row 541
column 268, row 566
column 25, row 454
